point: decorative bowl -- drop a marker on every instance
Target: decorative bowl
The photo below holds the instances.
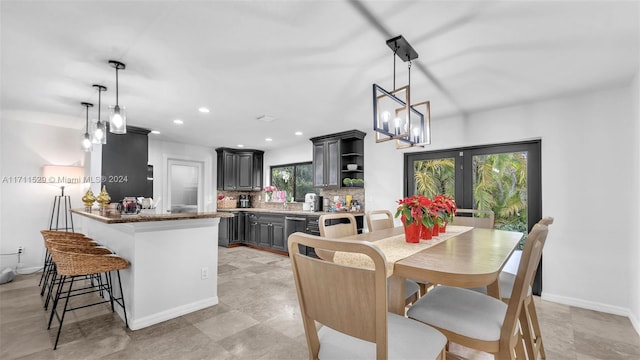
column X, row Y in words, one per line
column 352, row 166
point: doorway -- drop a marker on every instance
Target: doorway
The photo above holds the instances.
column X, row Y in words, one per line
column 185, row 191
column 504, row 178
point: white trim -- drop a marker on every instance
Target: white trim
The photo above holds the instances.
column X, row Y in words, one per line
column 591, row 305
column 172, row 313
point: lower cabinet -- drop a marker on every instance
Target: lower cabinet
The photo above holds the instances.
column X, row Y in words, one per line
column 229, row 230
column 270, row 232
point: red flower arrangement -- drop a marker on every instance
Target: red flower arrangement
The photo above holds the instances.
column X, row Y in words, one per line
column 417, row 208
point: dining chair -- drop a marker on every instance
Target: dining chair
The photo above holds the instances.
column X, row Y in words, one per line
column 383, row 219
column 379, row 219
column 476, row 218
column 351, row 305
column 529, row 316
column 340, row 230
column 478, row 321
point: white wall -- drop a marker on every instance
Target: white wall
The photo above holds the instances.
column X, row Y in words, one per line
column 634, row 254
column 160, row 151
column 25, row 208
column 294, row 154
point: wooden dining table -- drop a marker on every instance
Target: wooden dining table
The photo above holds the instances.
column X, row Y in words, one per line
column 465, row 257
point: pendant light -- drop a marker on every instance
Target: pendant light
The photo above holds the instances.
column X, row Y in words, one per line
column 117, row 117
column 394, row 116
column 100, row 131
column 86, row 140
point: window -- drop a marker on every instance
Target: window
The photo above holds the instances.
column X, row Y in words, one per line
column 296, row 179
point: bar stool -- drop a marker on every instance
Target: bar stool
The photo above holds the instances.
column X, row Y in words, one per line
column 49, row 268
column 47, row 256
column 75, row 264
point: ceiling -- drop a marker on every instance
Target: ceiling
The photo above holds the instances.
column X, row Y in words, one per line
column 309, row 64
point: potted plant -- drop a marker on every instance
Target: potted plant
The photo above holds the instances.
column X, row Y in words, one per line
column 447, row 208
column 415, row 212
column 269, row 192
column 347, row 182
column 357, row 182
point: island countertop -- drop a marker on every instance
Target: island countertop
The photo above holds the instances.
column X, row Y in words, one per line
column 119, row 219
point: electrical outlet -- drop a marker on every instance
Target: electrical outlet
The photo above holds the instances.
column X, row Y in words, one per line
column 20, row 249
column 204, row 273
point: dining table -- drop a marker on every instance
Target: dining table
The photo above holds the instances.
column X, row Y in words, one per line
column 462, row 256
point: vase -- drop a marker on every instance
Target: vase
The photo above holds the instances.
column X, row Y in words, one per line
column 411, row 232
column 425, row 233
column 435, row 230
column 443, row 227
column 267, row 197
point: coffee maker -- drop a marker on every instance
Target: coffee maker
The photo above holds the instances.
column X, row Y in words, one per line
column 244, row 201
column 309, row 202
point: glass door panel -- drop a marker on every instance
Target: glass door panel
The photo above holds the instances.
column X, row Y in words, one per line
column 499, row 183
column 434, row 177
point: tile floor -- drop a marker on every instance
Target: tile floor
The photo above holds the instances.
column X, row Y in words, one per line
column 257, row 318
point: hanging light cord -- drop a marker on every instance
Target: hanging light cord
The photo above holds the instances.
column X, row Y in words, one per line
column 395, row 51
column 86, row 123
column 99, row 101
column 117, row 85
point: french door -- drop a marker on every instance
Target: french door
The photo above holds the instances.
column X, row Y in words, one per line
column 505, row 178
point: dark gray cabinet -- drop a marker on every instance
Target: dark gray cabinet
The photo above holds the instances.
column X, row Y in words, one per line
column 239, row 169
column 331, row 155
column 231, row 230
column 270, row 231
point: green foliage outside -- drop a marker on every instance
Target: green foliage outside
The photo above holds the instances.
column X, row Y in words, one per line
column 296, row 180
column 499, row 184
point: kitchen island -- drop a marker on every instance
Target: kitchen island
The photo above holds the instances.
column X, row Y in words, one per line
column 174, row 261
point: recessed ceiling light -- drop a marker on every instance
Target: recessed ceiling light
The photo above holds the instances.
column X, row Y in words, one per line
column 298, row 133
column 155, row 132
column 240, row 145
column 268, row 139
column 204, row 110
column 178, row 122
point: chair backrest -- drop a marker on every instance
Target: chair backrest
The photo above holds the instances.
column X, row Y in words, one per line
column 347, row 299
column 379, row 219
column 547, row 220
column 476, row 218
column 335, row 231
column 526, row 270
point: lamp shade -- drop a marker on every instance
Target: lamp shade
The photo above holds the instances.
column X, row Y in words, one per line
column 62, row 176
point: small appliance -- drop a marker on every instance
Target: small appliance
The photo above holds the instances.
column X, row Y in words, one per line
column 244, row 201
column 317, row 204
column 309, row 202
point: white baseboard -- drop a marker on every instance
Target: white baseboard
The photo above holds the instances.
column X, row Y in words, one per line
column 635, row 322
column 591, row 305
column 28, row 270
column 171, row 313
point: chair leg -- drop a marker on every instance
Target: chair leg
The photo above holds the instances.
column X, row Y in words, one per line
column 47, row 259
column 525, row 326
column 64, row 311
column 530, row 308
column 124, row 308
column 61, row 282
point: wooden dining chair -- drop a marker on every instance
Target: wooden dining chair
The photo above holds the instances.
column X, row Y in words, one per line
column 379, row 219
column 383, row 219
column 477, row 218
column 340, row 230
column 478, row 321
column 351, row 305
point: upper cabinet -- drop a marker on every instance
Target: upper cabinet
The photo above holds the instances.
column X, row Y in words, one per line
column 239, row 169
column 337, row 157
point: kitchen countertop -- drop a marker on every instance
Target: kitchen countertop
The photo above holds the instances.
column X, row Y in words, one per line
column 119, row 219
column 290, row 212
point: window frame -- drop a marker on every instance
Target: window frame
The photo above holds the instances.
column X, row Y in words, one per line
column 293, row 176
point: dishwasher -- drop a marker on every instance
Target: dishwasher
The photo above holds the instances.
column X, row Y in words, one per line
column 295, row 224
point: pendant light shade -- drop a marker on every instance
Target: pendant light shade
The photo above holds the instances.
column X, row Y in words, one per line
column 86, row 139
column 117, row 116
column 100, row 130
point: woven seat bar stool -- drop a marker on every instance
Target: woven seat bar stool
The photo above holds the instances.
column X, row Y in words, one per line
column 48, row 269
column 89, row 248
column 76, row 265
column 47, row 257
